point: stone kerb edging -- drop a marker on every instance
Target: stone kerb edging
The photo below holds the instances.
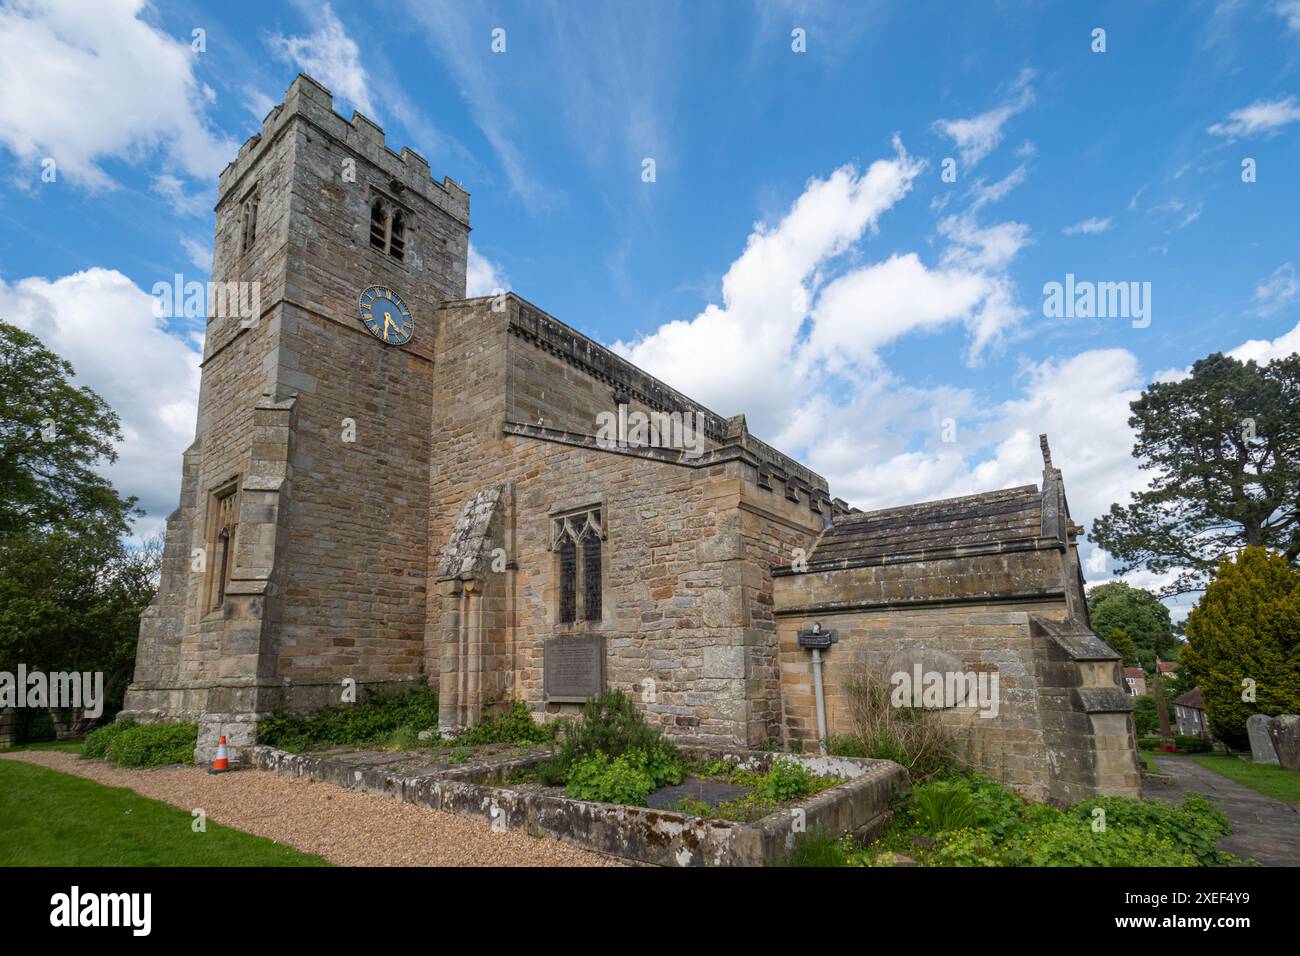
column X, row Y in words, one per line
column 661, row 837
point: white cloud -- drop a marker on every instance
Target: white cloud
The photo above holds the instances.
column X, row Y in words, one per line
column 184, row 203
column 85, row 82
column 1262, row 116
column 102, row 323
column 199, row 253
column 977, row 136
column 1265, row 350
column 982, row 247
column 483, row 276
column 763, row 290
column 1087, row 227
column 1277, row 291
column 330, row 56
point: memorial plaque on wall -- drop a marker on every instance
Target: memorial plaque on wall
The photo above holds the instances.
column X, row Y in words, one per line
column 573, row 668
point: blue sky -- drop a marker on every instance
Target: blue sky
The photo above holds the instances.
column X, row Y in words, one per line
column 775, row 171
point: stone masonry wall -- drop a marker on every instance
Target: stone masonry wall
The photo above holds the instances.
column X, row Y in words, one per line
column 685, row 570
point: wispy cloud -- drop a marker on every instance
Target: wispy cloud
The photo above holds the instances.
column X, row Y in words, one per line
column 331, row 56
column 977, row 136
column 199, row 253
column 1262, row 116
column 1277, row 291
column 464, row 44
column 1087, row 227
column 1290, row 10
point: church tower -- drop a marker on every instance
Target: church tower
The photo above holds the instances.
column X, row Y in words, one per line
column 297, row 559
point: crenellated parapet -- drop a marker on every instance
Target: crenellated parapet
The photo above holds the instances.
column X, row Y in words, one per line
column 309, row 102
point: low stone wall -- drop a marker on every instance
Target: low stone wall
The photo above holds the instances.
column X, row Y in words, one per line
column 660, row 837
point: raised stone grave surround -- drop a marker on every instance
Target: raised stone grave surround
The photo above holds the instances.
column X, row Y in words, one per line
column 659, row 837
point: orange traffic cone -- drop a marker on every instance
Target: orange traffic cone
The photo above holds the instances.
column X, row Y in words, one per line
column 222, row 763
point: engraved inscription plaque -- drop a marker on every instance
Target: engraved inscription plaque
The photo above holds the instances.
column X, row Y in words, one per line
column 573, row 668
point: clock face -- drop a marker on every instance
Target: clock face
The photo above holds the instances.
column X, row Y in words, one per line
column 386, row 316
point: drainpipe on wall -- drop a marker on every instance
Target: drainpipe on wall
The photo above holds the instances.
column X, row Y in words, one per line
column 818, row 640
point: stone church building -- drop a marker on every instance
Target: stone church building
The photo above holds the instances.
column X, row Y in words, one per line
column 392, row 484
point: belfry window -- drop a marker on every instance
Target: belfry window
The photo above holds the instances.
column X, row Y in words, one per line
column 248, row 224
column 387, row 229
column 576, row 540
column 223, row 522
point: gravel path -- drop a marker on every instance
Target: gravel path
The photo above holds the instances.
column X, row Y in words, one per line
column 346, row 827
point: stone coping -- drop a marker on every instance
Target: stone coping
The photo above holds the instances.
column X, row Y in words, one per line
column 859, row 805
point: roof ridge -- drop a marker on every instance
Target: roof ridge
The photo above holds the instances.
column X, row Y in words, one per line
column 937, row 502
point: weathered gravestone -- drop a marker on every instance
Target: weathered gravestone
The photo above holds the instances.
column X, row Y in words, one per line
column 1284, row 731
column 1261, row 742
column 573, row 668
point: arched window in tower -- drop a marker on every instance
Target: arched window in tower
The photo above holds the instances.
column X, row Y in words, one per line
column 397, row 236
column 576, row 539
column 248, row 227
column 379, row 226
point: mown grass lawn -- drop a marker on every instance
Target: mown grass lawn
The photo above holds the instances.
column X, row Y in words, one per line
column 71, row 746
column 1269, row 780
column 48, row 818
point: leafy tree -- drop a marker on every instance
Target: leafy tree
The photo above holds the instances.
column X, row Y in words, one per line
column 52, row 435
column 1145, row 720
column 1119, row 639
column 1246, row 628
column 71, row 591
column 1116, row 608
column 1224, row 448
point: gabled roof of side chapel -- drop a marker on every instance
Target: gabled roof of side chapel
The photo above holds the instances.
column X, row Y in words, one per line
column 994, row 519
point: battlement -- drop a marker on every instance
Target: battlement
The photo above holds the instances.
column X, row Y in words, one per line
column 309, row 102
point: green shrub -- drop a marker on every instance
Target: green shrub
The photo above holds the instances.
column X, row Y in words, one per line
column 817, row 849
column 624, row 779
column 1145, row 718
column 612, row 724
column 1149, row 743
column 551, row 773
column 846, row 745
column 944, row 806
column 692, row 807
column 1192, row 744
column 153, row 745
column 785, row 780
column 370, row 721
column 514, row 726
column 968, row 820
column 912, row 737
column 1192, row 826
column 97, row 741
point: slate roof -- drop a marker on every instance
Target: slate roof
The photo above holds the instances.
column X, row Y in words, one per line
column 1191, row 699
column 994, row 518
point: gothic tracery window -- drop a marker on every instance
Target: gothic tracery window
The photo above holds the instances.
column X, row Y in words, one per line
column 576, row 540
column 387, row 229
